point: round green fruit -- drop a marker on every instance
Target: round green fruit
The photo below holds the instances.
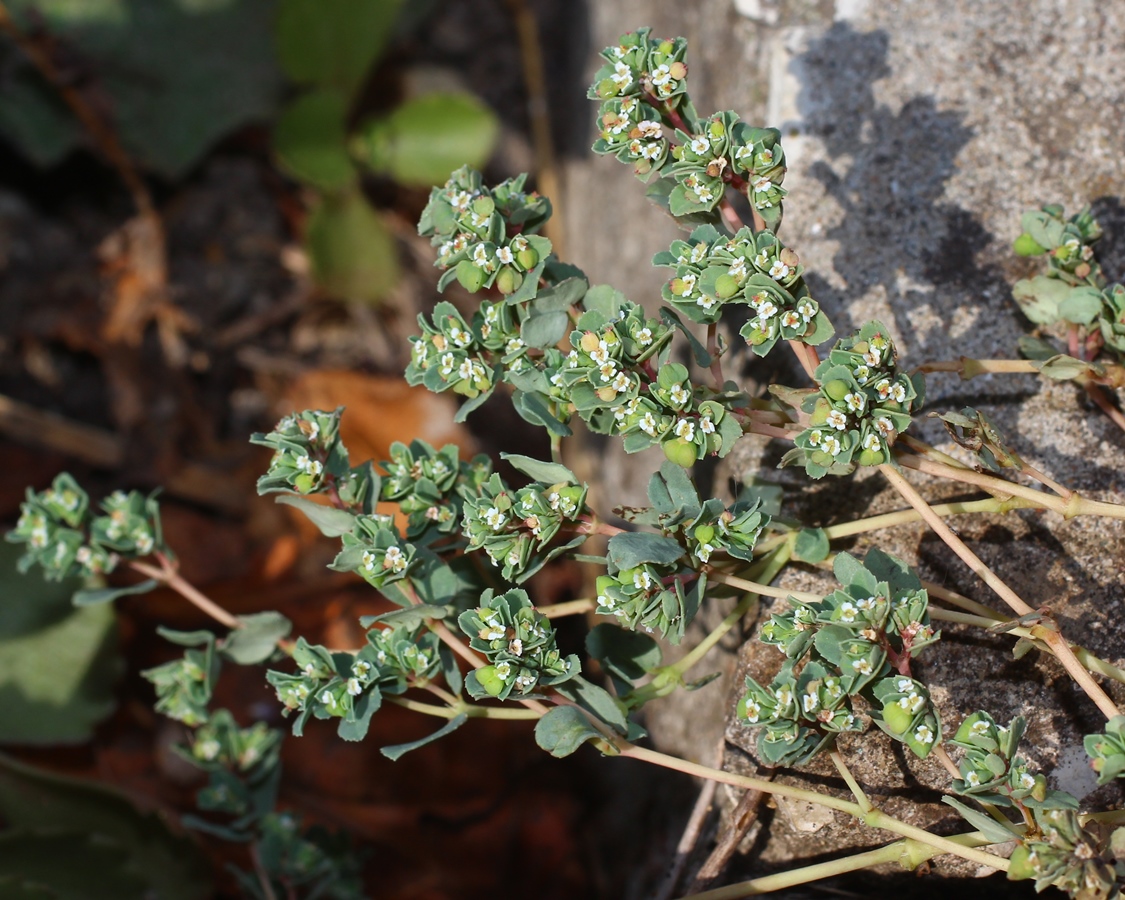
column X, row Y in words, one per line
column 681, row 452
column 726, row 286
column 837, row 389
column 896, row 718
column 471, row 277
column 508, row 280
column 1026, row 245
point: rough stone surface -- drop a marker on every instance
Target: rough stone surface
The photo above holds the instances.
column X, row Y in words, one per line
column 917, row 133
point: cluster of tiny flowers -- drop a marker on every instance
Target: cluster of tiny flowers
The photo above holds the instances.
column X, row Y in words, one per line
column 863, row 404
column 732, row 531
column 667, row 413
column 726, row 151
column 242, row 763
column 633, row 131
column 63, row 537
column 310, row 863
column 750, row 269
column 643, row 67
column 874, row 625
column 486, row 237
column 908, row 714
column 797, row 715
column 307, row 452
column 518, row 642
column 990, row 769
column 606, row 357
column 513, row 526
column 349, row 686
column 424, row 482
column 184, row 686
column 375, row 551
column 1087, row 861
column 1067, row 245
column 1107, row 751
column 650, row 596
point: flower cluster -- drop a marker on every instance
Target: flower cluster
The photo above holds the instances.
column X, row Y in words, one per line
column 313, row 863
column 487, row 237
column 757, row 270
column 308, row 453
column 731, row 530
column 864, row 402
column 1074, row 289
column 859, row 636
column 375, row 551
column 990, row 770
column 451, row 355
column 633, row 131
column 1107, row 751
column 243, row 765
column 643, row 67
column 520, row 646
column 656, row 597
column 424, row 482
column 1085, row 860
column 349, row 686
column 515, row 527
column 66, row 539
column 184, row 686
column 726, row 151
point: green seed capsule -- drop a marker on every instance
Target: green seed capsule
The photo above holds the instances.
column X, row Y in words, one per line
column 704, row 533
column 528, row 259
column 1022, row 864
column 726, row 286
column 484, row 206
column 471, row 277
column 837, row 389
column 871, row 458
column 1026, row 245
column 896, row 718
column 492, row 683
column 508, row 280
column 681, row 452
column 820, row 412
column 607, row 88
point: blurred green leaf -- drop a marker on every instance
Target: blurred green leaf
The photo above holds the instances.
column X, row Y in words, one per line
column 353, row 255
column 332, row 43
column 57, row 663
column 177, row 75
column 311, row 141
column 94, row 868
column 426, row 138
column 145, row 851
column 811, row 545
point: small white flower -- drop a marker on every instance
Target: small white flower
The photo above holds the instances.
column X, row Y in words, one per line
column 505, row 255
column 354, row 687
column 621, row 382
column 465, row 370
column 608, row 371
column 847, row 612
column 698, row 252
column 863, row 666
column 778, row 270
column 923, row 734
column 661, row 75
column 791, row 319
column 816, row 436
column 872, row 442
column 368, row 560
column 328, row 699
column 898, row 393
column 806, row 309
column 761, row 185
column 706, row 425
column 837, row 420
column 886, row 427
column 685, row 429
column 647, row 424
column 515, row 647
column 643, row 337
column 525, row 680
column 504, row 671
column 855, row 401
column 361, row 668
column 700, row 145
column 832, row 445
column 650, row 130
column 978, row 728
column 622, row 75
column 767, row 309
column 394, row 559
column 447, row 362
column 704, row 552
column 678, row 395
column 1027, row 782
column 642, row 580
column 703, row 192
column 873, row 357
column 461, row 200
column 737, row 269
column 903, row 685
column 494, row 518
column 810, row 701
column 972, row 779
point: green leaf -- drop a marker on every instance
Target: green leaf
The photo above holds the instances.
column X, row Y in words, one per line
column 1039, row 298
column 811, row 545
column 177, row 76
column 1082, row 305
column 822, row 331
column 671, row 491
column 257, row 639
column 397, row 750
column 411, row 617
column 543, row 472
column 626, row 654
column 333, row 44
column 92, row 597
column 596, row 699
column 562, row 296
column 356, row 725
column 170, row 867
column 982, row 822
column 57, row 663
column 605, row 299
column 632, row 548
column 426, row 138
column 563, row 730
column 1036, row 348
column 532, row 409
column 1065, row 368
column 311, row 141
column 332, row 522
column 353, row 254
column 545, row 329
column 698, row 351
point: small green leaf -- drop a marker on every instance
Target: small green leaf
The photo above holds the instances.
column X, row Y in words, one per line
column 92, row 597
column 333, row 44
column 543, row 472
column 1065, row 368
column 627, row 654
column 1039, row 298
column 424, row 139
column 595, row 699
column 811, row 545
column 562, row 296
column 311, row 141
column 397, row 750
column 605, row 299
column 545, row 329
column 532, row 409
column 1082, row 305
column 411, row 617
column 1037, row 348
column 563, row 730
column 332, row 522
column 984, row 823
column 353, row 254
column 257, row 639
column 634, row 548
column 356, row 725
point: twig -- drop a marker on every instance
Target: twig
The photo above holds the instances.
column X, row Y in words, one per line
column 1053, row 639
column 167, row 575
column 1098, row 396
column 46, row 429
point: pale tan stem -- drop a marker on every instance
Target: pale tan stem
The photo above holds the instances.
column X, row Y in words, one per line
column 1054, row 639
column 569, row 608
column 942, row 757
column 189, row 592
column 849, row 779
column 763, row 590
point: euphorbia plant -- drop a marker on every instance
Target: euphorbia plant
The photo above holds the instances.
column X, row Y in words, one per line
column 469, row 631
